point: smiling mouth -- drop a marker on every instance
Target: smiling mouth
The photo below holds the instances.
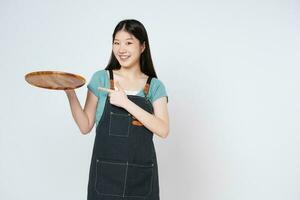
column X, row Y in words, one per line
column 123, row 57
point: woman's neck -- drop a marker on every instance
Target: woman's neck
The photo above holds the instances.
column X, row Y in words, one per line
column 130, row 72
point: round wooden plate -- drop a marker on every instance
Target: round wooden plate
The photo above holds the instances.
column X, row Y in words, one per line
column 55, row 80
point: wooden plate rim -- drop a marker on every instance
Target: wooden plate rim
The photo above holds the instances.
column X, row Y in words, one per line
column 27, row 76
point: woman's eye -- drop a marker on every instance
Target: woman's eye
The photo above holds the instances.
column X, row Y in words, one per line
column 128, row 43
column 116, row 43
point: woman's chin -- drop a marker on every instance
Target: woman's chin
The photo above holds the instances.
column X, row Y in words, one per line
column 126, row 64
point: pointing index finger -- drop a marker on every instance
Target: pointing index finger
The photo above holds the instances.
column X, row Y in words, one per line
column 105, row 89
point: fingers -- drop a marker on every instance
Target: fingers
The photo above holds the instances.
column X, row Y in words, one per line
column 105, row 89
column 117, row 88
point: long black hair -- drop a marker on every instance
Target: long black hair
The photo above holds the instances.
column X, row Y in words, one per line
column 137, row 29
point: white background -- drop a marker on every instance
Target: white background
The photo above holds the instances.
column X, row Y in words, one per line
column 231, row 69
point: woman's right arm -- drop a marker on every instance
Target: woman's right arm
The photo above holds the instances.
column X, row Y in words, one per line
column 84, row 118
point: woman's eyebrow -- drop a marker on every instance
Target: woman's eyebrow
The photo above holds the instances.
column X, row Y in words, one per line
column 126, row 39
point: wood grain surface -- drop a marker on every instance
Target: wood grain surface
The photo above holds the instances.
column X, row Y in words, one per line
column 55, row 80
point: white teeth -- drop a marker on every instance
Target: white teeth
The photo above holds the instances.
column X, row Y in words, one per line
column 124, row 57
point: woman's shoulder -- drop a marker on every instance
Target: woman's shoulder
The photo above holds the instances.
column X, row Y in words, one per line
column 99, row 78
column 155, row 82
column 99, row 73
column 157, row 89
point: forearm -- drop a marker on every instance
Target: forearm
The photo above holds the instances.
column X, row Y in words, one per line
column 150, row 121
column 78, row 113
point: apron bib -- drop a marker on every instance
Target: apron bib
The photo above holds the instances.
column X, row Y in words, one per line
column 124, row 164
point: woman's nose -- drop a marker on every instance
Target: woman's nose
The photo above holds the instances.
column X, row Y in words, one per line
column 122, row 49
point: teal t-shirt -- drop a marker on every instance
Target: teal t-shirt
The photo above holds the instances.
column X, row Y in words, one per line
column 101, row 79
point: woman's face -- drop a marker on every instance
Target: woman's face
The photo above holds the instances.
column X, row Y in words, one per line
column 127, row 49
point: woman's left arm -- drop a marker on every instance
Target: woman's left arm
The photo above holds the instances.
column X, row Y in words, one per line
column 158, row 123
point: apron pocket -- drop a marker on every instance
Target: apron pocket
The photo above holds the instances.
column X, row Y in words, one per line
column 110, row 178
column 119, row 124
column 139, row 180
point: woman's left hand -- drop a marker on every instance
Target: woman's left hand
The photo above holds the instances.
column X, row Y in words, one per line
column 118, row 96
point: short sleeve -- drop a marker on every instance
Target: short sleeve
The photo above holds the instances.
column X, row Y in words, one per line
column 95, row 82
column 158, row 90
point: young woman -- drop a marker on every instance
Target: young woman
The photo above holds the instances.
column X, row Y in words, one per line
column 128, row 104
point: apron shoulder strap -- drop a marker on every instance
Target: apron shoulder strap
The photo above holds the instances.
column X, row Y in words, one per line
column 111, row 80
column 147, row 86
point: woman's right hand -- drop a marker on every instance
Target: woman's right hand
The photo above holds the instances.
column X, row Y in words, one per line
column 69, row 92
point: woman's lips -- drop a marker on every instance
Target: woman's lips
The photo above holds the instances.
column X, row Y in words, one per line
column 124, row 57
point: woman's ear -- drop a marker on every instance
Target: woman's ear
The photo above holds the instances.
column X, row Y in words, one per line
column 143, row 47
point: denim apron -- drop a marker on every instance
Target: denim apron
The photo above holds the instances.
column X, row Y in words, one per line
column 124, row 164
